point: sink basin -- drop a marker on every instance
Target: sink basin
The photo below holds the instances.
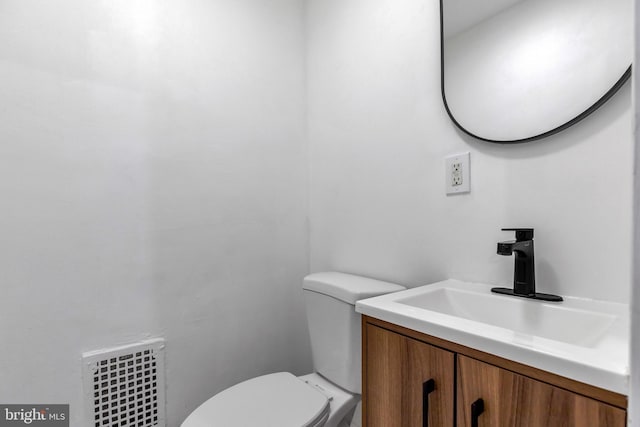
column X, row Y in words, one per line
column 581, row 339
column 548, row 320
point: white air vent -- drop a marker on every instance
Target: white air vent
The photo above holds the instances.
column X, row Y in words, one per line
column 124, row 386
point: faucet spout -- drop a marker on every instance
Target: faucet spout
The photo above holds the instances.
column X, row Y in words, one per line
column 506, row 248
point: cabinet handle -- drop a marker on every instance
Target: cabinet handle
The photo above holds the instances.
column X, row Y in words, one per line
column 427, row 388
column 477, row 408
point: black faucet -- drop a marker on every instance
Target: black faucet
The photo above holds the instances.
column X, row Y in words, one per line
column 524, row 276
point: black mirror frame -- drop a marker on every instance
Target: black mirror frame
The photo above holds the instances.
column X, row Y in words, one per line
column 621, row 81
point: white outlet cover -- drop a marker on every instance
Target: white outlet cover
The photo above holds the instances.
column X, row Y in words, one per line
column 457, row 167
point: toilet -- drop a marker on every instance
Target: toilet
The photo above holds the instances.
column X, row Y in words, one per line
column 328, row 396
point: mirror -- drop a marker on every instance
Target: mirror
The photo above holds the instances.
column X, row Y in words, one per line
column 521, row 70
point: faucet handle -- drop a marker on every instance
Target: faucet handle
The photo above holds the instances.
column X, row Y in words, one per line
column 522, row 234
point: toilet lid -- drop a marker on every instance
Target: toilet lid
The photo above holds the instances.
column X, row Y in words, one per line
column 274, row 400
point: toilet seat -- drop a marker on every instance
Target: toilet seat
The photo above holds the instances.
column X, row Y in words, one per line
column 274, row 400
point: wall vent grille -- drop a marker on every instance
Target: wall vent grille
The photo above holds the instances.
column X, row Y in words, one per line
column 124, row 386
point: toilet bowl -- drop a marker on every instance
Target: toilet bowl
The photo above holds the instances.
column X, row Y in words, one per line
column 325, row 398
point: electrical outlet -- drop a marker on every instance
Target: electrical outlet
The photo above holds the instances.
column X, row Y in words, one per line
column 457, row 174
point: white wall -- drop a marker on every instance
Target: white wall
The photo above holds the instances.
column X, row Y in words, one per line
column 634, row 398
column 152, row 183
column 378, row 135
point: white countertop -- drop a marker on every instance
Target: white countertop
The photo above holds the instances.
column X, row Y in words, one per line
column 581, row 339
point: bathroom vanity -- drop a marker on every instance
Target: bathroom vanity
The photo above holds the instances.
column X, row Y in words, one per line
column 432, row 367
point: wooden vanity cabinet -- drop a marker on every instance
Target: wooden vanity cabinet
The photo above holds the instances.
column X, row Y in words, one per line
column 510, row 399
column 414, row 380
column 407, row 381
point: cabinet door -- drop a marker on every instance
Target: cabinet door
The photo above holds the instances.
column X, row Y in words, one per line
column 407, row 383
column 512, row 400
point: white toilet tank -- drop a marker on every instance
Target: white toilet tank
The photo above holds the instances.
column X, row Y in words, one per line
column 334, row 325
